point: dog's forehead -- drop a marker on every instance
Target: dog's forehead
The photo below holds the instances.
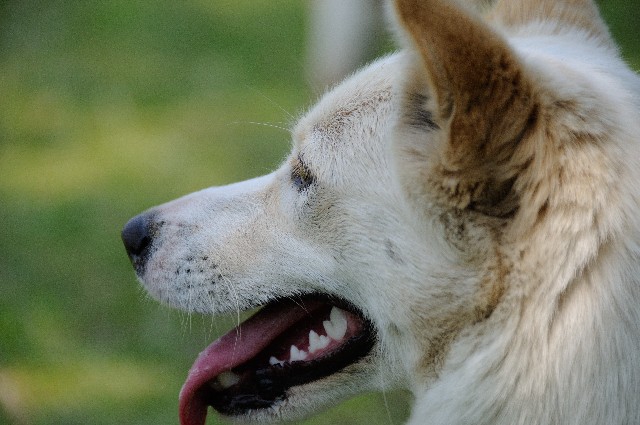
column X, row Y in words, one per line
column 354, row 110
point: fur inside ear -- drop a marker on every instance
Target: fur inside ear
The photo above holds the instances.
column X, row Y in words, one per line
column 481, row 99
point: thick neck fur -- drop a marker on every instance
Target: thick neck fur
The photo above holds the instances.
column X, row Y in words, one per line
column 574, row 361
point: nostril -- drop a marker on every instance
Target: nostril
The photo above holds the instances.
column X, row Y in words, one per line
column 136, row 236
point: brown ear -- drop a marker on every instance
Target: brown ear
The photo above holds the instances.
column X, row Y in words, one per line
column 484, row 102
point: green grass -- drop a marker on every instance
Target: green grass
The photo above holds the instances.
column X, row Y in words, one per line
column 110, row 107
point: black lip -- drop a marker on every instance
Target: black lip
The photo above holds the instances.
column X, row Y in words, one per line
column 261, row 387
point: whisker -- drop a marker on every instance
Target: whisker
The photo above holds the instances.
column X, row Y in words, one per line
column 232, row 291
column 299, row 304
column 384, row 398
column 190, row 307
column 213, row 329
column 273, row 102
column 264, row 124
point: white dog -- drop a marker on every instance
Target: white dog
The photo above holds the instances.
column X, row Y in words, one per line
column 460, row 219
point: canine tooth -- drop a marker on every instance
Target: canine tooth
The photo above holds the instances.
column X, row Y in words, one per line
column 228, row 379
column 297, row 354
column 328, row 328
column 336, row 326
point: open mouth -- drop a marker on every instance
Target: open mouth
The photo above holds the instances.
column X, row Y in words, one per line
column 287, row 343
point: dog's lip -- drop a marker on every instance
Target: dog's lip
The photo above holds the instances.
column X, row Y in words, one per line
column 240, row 346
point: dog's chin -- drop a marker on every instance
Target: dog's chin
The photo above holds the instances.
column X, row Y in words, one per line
column 286, row 361
column 304, row 400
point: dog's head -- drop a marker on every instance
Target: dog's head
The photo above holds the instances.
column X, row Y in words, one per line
column 380, row 240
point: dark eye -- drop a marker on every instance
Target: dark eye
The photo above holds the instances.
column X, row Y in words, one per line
column 301, row 176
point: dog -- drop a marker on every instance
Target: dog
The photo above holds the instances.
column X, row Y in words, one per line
column 460, row 218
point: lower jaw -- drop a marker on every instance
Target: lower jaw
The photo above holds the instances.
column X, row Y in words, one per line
column 305, row 401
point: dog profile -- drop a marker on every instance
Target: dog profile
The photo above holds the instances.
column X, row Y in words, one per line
column 460, row 219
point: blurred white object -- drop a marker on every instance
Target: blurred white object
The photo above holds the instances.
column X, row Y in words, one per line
column 342, row 37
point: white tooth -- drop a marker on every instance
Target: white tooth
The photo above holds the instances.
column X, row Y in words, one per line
column 314, row 342
column 328, row 327
column 297, row 354
column 339, row 318
column 215, row 385
column 324, row 341
column 274, row 361
column 228, row 379
column 317, row 342
column 336, row 327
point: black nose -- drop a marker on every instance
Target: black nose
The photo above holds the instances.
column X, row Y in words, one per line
column 137, row 238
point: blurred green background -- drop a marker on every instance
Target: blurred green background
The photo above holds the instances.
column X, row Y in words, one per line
column 110, row 107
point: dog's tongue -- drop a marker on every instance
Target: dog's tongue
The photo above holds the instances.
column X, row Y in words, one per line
column 236, row 347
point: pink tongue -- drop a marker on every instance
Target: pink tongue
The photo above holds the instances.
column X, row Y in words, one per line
column 236, row 347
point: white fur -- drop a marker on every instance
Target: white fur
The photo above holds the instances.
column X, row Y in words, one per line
column 563, row 344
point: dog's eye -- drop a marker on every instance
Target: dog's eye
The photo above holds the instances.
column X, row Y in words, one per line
column 301, row 176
